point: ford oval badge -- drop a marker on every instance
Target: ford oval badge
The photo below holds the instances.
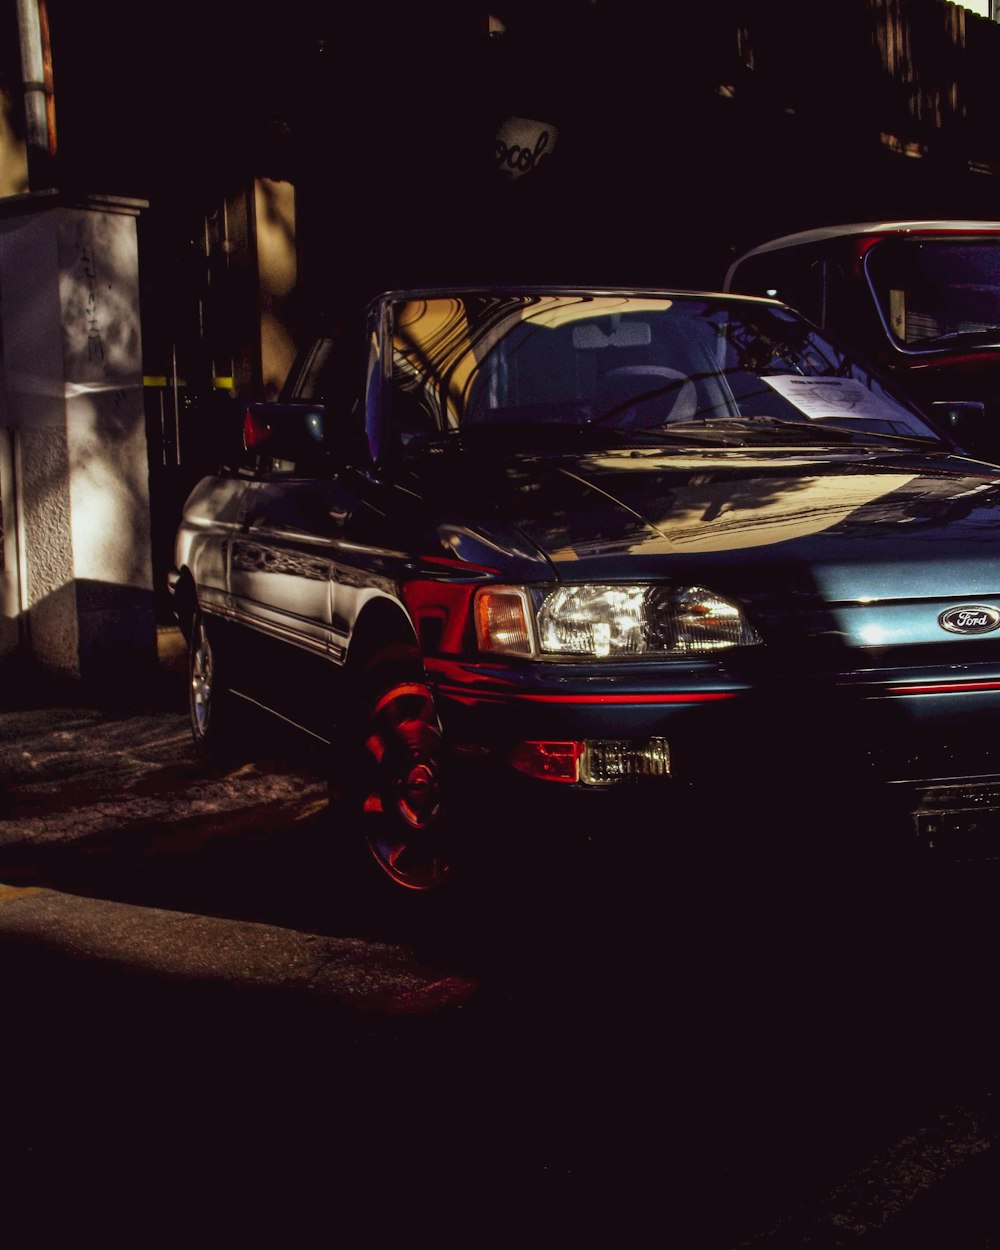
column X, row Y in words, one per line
column 971, row 618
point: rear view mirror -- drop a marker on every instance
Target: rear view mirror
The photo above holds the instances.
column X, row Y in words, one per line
column 956, row 415
column 955, row 411
column 965, row 420
column 590, row 335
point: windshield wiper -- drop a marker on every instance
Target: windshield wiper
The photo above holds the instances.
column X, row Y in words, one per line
column 558, row 435
column 987, row 332
column 817, row 426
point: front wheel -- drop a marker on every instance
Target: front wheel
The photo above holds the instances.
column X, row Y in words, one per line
column 399, row 786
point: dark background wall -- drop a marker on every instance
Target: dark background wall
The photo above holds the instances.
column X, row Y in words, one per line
column 682, row 132
column 685, row 132
column 675, row 136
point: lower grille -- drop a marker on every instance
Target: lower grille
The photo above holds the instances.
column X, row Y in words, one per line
column 960, row 818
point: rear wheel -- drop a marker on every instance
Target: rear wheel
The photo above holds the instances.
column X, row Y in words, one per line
column 399, row 791
column 210, row 702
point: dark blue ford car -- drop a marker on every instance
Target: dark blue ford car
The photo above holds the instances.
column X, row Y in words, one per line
column 528, row 550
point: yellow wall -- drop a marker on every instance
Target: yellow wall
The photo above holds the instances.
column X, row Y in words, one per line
column 274, row 209
column 13, row 156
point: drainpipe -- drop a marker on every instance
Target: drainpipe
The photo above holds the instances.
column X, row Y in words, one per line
column 39, row 99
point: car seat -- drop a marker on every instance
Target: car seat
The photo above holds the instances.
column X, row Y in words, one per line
column 645, row 395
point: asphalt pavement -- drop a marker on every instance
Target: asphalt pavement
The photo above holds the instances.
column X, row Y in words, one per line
column 204, row 1005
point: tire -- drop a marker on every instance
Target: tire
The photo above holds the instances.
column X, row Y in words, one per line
column 398, row 789
column 210, row 702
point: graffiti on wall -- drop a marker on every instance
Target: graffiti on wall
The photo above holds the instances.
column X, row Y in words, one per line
column 522, row 145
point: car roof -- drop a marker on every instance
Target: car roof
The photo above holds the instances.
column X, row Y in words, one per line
column 821, row 234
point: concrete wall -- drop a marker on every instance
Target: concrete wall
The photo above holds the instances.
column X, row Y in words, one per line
column 69, row 311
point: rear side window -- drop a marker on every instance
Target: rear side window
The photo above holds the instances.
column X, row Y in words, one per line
column 932, row 292
column 329, row 371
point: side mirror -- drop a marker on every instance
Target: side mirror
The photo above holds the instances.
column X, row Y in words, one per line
column 298, row 435
column 284, row 431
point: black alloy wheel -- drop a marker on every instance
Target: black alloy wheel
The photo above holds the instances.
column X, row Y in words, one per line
column 398, row 788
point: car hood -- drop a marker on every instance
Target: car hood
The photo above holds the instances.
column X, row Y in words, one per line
column 929, row 523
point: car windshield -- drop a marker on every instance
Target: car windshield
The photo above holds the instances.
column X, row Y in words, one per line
column 657, row 366
column 934, row 293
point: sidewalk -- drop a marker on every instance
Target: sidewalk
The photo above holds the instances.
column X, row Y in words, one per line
column 120, row 846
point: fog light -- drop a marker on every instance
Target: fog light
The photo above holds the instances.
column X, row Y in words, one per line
column 606, row 761
column 599, row 762
column 551, row 761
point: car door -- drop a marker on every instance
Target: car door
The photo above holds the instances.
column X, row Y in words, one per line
column 306, row 554
column 281, row 576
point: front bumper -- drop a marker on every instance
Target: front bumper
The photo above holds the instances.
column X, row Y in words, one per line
column 914, row 751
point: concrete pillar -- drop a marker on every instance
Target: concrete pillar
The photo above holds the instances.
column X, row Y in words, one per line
column 72, row 373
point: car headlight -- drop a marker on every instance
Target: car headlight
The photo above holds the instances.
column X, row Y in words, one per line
column 618, row 621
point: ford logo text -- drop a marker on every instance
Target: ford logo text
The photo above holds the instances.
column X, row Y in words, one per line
column 970, row 619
